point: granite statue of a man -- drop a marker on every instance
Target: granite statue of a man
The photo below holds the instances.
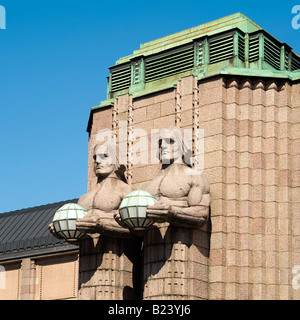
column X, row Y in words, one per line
column 182, row 193
column 103, row 201
column 176, row 246
column 109, row 255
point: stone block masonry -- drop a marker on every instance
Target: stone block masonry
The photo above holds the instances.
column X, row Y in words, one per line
column 251, row 145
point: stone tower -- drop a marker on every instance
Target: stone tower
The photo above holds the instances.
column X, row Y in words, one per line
column 240, row 85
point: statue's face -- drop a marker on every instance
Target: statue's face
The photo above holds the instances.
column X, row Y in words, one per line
column 103, row 162
column 171, row 150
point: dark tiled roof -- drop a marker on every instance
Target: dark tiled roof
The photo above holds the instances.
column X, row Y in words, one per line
column 25, row 232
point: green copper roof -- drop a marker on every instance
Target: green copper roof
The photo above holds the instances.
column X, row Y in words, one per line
column 237, row 20
column 233, row 45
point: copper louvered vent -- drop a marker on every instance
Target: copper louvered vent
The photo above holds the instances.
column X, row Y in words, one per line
column 257, row 50
column 272, row 53
column 254, row 49
column 221, row 48
column 295, row 62
column 121, row 77
column 169, row 63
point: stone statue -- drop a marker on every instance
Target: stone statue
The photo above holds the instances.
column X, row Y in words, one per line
column 183, row 195
column 102, row 202
column 176, row 246
column 109, row 254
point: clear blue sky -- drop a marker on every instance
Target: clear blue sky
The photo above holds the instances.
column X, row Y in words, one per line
column 54, row 59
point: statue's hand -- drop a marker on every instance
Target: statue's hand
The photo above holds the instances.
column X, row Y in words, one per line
column 119, row 221
column 194, row 217
column 95, row 222
column 52, row 231
column 159, row 211
column 103, row 223
column 122, row 224
column 88, row 223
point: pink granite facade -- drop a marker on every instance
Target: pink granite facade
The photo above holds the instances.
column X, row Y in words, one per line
column 251, row 145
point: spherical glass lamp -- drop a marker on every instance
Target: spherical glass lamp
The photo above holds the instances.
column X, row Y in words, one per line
column 64, row 221
column 133, row 209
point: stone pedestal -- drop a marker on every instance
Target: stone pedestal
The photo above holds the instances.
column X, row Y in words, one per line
column 109, row 268
column 175, row 263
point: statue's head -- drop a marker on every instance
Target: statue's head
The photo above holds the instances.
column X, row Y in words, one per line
column 171, row 146
column 105, row 161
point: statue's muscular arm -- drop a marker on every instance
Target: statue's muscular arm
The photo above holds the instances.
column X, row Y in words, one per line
column 195, row 215
column 102, row 220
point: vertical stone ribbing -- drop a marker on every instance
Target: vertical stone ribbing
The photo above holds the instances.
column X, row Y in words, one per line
column 212, row 114
column 284, row 194
column 295, row 191
column 115, row 115
column 178, row 105
column 130, row 141
column 258, row 195
column 196, row 125
column 115, row 121
column 270, row 151
column 232, row 190
column 245, row 131
column 256, row 198
column 254, row 228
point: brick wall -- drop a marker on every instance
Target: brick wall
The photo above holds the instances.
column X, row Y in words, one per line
column 52, row 277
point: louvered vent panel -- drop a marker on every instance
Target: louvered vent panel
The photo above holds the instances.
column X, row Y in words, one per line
column 121, row 78
column 295, row 63
column 241, row 45
column 170, row 63
column 253, row 49
column 221, row 49
column 272, row 53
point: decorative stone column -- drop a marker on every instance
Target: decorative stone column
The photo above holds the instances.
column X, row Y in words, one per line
column 27, row 281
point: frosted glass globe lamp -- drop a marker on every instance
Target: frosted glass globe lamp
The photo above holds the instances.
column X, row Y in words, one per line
column 64, row 221
column 133, row 209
